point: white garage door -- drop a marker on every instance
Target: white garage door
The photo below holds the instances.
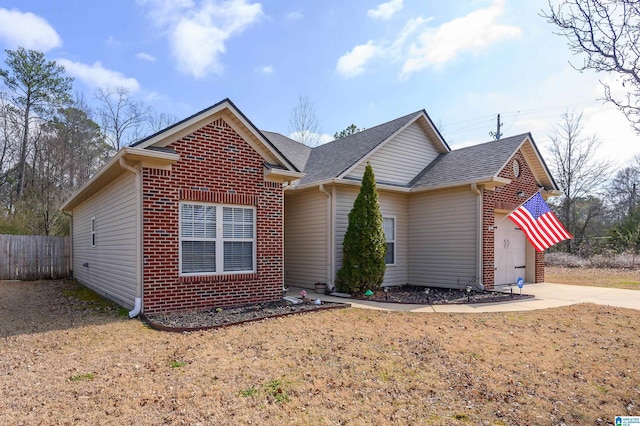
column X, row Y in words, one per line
column 510, row 252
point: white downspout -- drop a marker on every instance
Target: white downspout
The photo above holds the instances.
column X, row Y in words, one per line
column 329, row 237
column 71, row 237
column 479, row 234
column 137, row 307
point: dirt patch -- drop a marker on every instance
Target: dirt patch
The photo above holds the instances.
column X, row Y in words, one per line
column 571, row 365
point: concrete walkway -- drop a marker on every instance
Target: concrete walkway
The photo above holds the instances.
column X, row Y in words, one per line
column 547, row 295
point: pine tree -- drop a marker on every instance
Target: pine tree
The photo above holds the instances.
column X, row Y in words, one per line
column 364, row 247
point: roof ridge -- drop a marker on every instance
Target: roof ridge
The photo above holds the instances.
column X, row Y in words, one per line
column 519, row 135
column 370, row 129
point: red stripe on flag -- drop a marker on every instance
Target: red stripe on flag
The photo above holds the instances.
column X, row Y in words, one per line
column 524, row 220
column 542, row 233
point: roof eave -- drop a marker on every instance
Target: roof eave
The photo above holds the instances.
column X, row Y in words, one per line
column 349, row 182
column 487, row 182
column 281, row 176
column 113, row 169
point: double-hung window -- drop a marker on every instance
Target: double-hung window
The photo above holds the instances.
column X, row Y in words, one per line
column 389, row 226
column 216, row 239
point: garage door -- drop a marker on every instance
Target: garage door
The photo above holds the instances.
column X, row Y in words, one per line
column 510, row 252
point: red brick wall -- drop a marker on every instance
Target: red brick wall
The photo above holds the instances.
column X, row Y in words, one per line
column 506, row 198
column 216, row 165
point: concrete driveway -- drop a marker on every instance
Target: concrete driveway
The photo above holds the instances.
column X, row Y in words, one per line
column 547, row 295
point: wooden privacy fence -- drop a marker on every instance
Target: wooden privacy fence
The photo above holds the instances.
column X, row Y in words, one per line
column 34, row 257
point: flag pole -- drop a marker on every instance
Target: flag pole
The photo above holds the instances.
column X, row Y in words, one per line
column 495, row 225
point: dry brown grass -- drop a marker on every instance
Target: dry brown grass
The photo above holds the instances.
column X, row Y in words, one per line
column 625, row 278
column 571, row 365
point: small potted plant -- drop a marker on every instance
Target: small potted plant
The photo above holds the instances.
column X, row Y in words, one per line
column 321, row 288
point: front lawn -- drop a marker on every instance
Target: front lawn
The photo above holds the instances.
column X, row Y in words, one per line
column 67, row 363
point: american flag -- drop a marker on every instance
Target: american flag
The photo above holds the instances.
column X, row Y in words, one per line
column 540, row 225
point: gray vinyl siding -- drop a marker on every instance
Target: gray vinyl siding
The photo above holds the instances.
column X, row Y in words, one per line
column 400, row 159
column 305, row 239
column 110, row 266
column 443, row 239
column 391, row 204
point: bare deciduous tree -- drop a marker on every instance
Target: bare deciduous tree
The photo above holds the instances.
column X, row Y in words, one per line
column 607, row 34
column 160, row 121
column 303, row 123
column 624, row 189
column 123, row 119
column 579, row 173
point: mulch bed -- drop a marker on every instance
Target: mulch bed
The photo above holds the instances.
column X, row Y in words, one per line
column 219, row 317
column 441, row 296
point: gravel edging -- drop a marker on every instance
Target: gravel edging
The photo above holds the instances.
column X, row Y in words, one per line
column 161, row 322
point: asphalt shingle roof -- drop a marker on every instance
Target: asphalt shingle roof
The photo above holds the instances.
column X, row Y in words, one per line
column 295, row 152
column 331, row 159
column 469, row 164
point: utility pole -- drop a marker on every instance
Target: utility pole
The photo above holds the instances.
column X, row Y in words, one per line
column 497, row 135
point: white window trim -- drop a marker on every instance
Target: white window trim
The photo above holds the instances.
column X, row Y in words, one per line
column 395, row 239
column 92, row 235
column 219, row 240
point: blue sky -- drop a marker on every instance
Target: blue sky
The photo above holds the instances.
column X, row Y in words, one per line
column 361, row 62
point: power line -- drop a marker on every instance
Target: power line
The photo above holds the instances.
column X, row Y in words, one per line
column 479, row 122
column 539, row 113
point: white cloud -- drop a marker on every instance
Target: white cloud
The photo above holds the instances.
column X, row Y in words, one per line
column 385, row 11
column 353, row 63
column 197, row 32
column 146, row 57
column 418, row 46
column 267, row 69
column 24, row 29
column 470, row 33
column 294, row 16
column 97, row 75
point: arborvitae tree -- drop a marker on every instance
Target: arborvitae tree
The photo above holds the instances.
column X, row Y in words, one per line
column 364, row 247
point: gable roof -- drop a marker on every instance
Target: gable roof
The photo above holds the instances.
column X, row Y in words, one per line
column 183, row 127
column 154, row 150
column 332, row 159
column 482, row 162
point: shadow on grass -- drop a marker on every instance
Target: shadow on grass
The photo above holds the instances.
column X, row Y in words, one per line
column 28, row 307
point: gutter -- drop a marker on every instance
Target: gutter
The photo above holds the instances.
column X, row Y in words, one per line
column 137, row 308
column 488, row 181
column 479, row 234
column 70, row 216
column 329, row 209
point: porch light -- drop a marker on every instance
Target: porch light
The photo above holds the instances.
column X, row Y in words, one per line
column 468, row 293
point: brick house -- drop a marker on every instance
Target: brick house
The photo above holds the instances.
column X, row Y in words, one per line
column 213, row 212
column 188, row 218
